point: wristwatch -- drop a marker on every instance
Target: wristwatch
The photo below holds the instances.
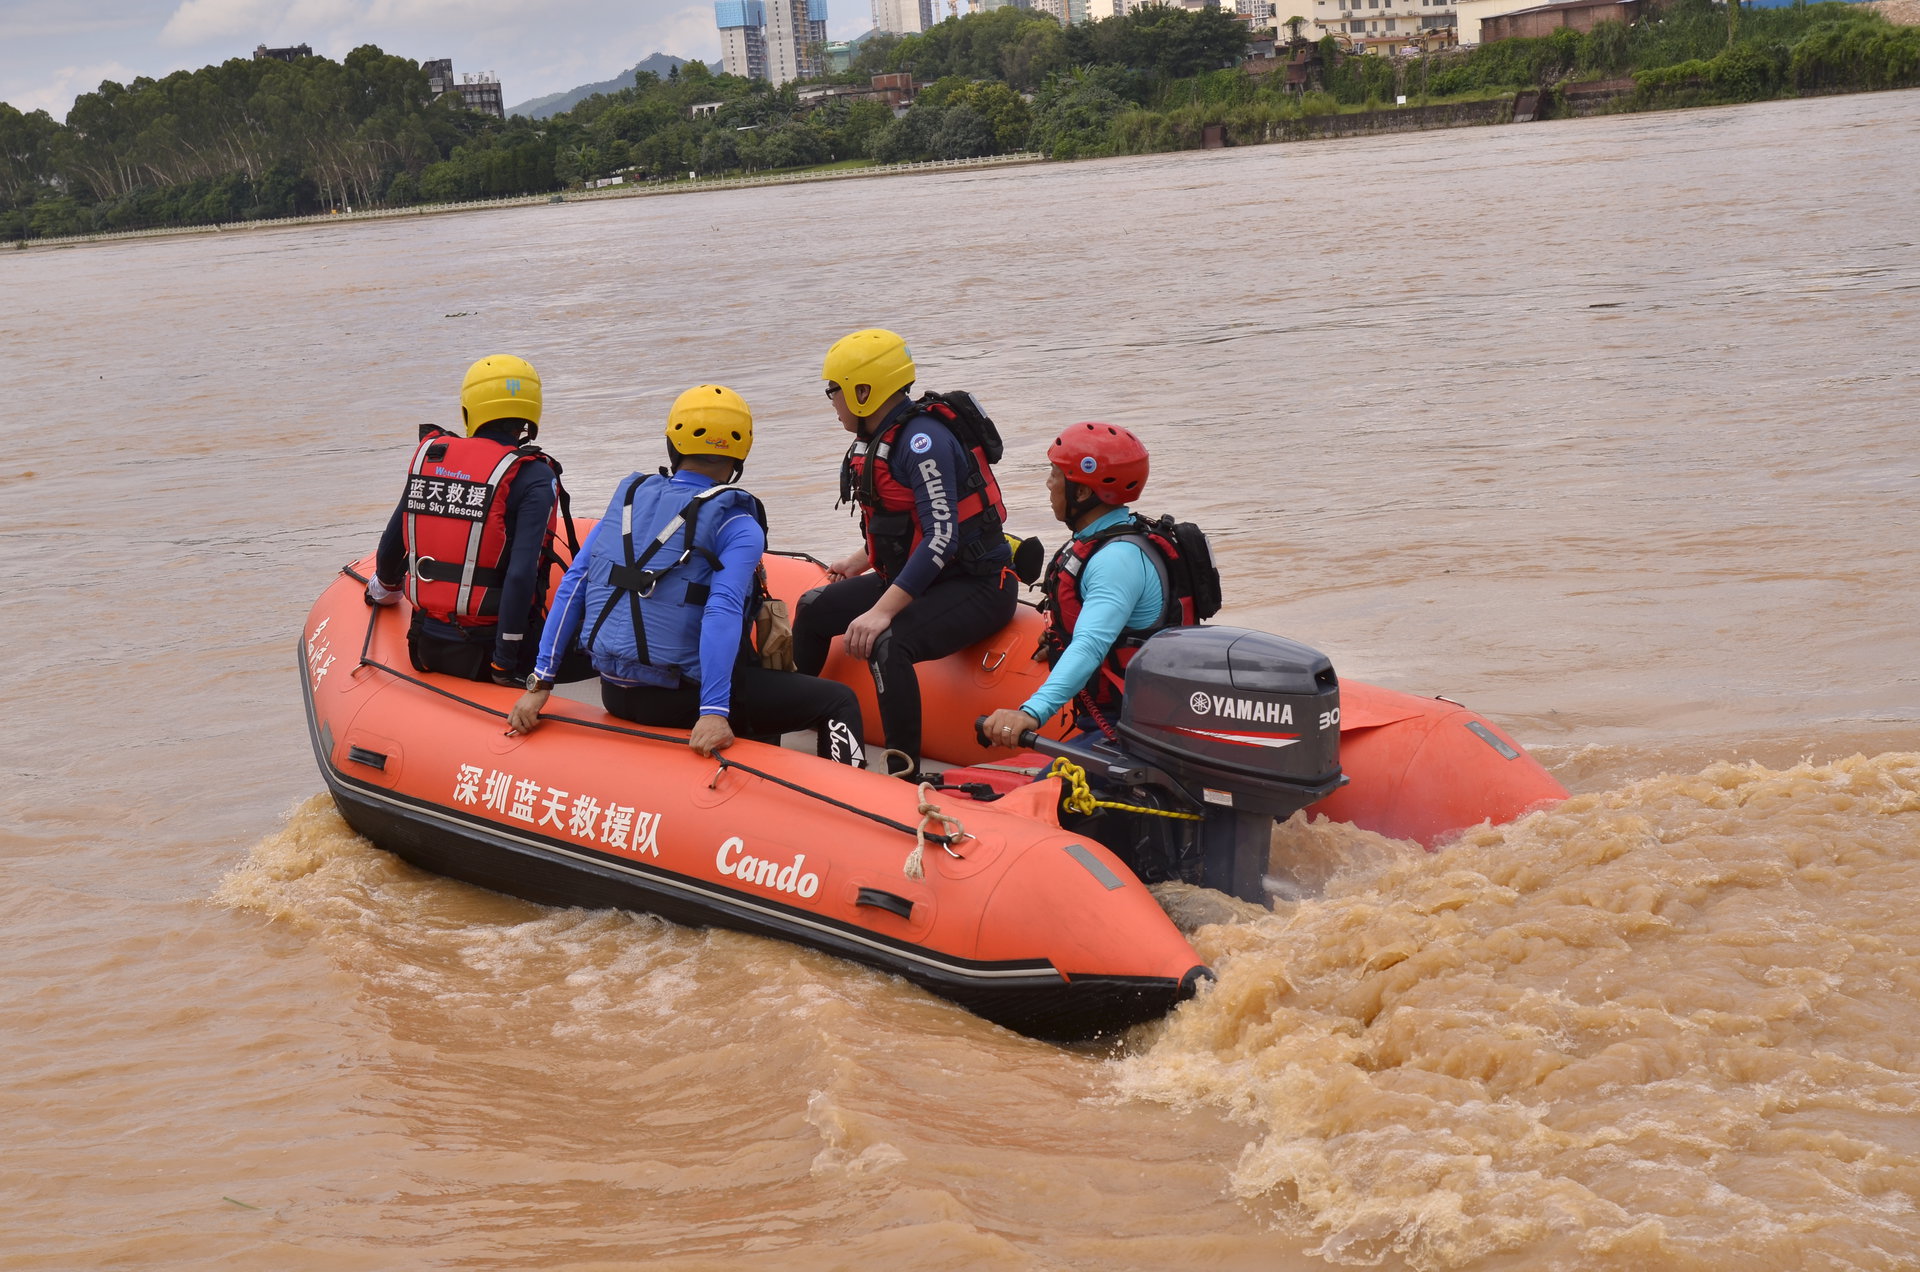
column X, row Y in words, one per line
column 537, row 685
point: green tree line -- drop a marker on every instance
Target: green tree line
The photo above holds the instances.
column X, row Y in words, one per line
column 251, row 139
column 1682, row 53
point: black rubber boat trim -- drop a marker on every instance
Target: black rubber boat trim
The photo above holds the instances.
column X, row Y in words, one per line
column 932, row 837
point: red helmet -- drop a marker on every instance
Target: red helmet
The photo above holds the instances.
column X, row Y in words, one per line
column 1105, row 458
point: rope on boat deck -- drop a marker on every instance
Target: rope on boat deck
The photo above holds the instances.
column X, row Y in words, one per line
column 929, row 814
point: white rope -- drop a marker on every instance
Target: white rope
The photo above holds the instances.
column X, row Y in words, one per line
column 931, row 818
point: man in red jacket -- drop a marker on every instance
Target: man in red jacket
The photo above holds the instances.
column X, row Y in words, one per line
column 472, row 531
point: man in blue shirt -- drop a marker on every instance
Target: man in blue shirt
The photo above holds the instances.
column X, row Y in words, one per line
column 1107, row 590
column 663, row 589
column 935, row 574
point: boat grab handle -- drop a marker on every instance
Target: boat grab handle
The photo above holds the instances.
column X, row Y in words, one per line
column 887, row 901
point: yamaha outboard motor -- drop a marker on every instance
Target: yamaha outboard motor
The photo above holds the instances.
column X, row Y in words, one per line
column 1248, row 723
column 1237, row 727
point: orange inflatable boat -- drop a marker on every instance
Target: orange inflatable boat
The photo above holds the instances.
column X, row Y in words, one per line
column 973, row 891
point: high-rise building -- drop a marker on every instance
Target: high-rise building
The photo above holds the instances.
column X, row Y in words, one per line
column 774, row 40
column 902, row 17
column 796, row 40
column 1259, row 15
column 743, row 37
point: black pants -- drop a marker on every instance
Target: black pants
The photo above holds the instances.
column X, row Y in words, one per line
column 471, row 657
column 765, row 704
column 955, row 612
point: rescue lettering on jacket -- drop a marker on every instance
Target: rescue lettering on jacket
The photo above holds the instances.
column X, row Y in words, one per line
column 447, row 496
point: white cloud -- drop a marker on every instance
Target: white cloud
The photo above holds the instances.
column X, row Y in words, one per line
column 320, row 15
column 466, row 15
column 689, row 32
column 203, row 21
column 40, row 28
column 55, row 96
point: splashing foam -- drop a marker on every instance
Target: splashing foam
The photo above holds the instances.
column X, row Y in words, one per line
column 574, row 974
column 1675, row 1024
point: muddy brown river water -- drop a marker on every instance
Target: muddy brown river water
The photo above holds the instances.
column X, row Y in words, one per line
column 1604, row 427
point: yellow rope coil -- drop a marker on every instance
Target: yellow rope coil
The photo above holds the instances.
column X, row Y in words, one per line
column 1080, row 798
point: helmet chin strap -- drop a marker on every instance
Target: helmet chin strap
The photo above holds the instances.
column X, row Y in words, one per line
column 1080, row 501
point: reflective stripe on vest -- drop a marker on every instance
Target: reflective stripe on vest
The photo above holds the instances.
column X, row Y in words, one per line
column 455, row 526
column 890, row 516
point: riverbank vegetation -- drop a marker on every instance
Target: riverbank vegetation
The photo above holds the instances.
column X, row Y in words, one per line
column 257, row 139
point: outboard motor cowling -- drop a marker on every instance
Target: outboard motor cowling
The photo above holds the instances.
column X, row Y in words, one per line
column 1250, row 722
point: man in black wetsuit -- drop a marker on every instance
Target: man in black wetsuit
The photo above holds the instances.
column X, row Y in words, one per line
column 935, row 574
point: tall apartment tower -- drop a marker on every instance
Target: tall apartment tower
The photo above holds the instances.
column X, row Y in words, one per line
column 743, row 37
column 902, row 17
column 796, row 40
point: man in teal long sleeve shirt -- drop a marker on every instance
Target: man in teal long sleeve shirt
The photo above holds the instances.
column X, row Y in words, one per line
column 1107, row 589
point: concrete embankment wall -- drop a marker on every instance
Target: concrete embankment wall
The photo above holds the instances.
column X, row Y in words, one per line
column 1497, row 110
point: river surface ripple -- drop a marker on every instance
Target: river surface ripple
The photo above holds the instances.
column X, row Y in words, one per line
column 1604, row 427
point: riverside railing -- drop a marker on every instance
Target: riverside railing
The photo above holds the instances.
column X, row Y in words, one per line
column 636, row 190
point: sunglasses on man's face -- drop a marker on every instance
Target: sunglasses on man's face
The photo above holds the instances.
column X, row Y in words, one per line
column 832, row 389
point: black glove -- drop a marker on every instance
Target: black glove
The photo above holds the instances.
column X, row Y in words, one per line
column 501, row 676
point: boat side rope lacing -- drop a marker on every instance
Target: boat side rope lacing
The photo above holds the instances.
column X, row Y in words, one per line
column 930, row 815
column 1079, row 797
column 920, row 833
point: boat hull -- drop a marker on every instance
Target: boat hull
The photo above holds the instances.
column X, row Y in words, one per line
column 1023, row 924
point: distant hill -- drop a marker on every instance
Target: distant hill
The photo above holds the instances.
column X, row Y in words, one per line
column 555, row 103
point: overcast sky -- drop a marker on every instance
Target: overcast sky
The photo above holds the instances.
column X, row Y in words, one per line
column 53, row 50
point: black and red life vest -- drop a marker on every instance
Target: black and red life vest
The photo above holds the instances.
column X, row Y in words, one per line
column 455, row 526
column 1180, row 559
column 889, row 517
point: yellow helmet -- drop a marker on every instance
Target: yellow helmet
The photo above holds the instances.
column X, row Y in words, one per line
column 501, row 387
column 710, row 419
column 876, row 358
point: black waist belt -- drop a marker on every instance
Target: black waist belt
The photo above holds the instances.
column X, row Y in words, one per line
column 450, row 572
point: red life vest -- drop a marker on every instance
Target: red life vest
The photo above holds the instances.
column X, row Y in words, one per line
column 455, row 526
column 889, row 516
column 1062, row 603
